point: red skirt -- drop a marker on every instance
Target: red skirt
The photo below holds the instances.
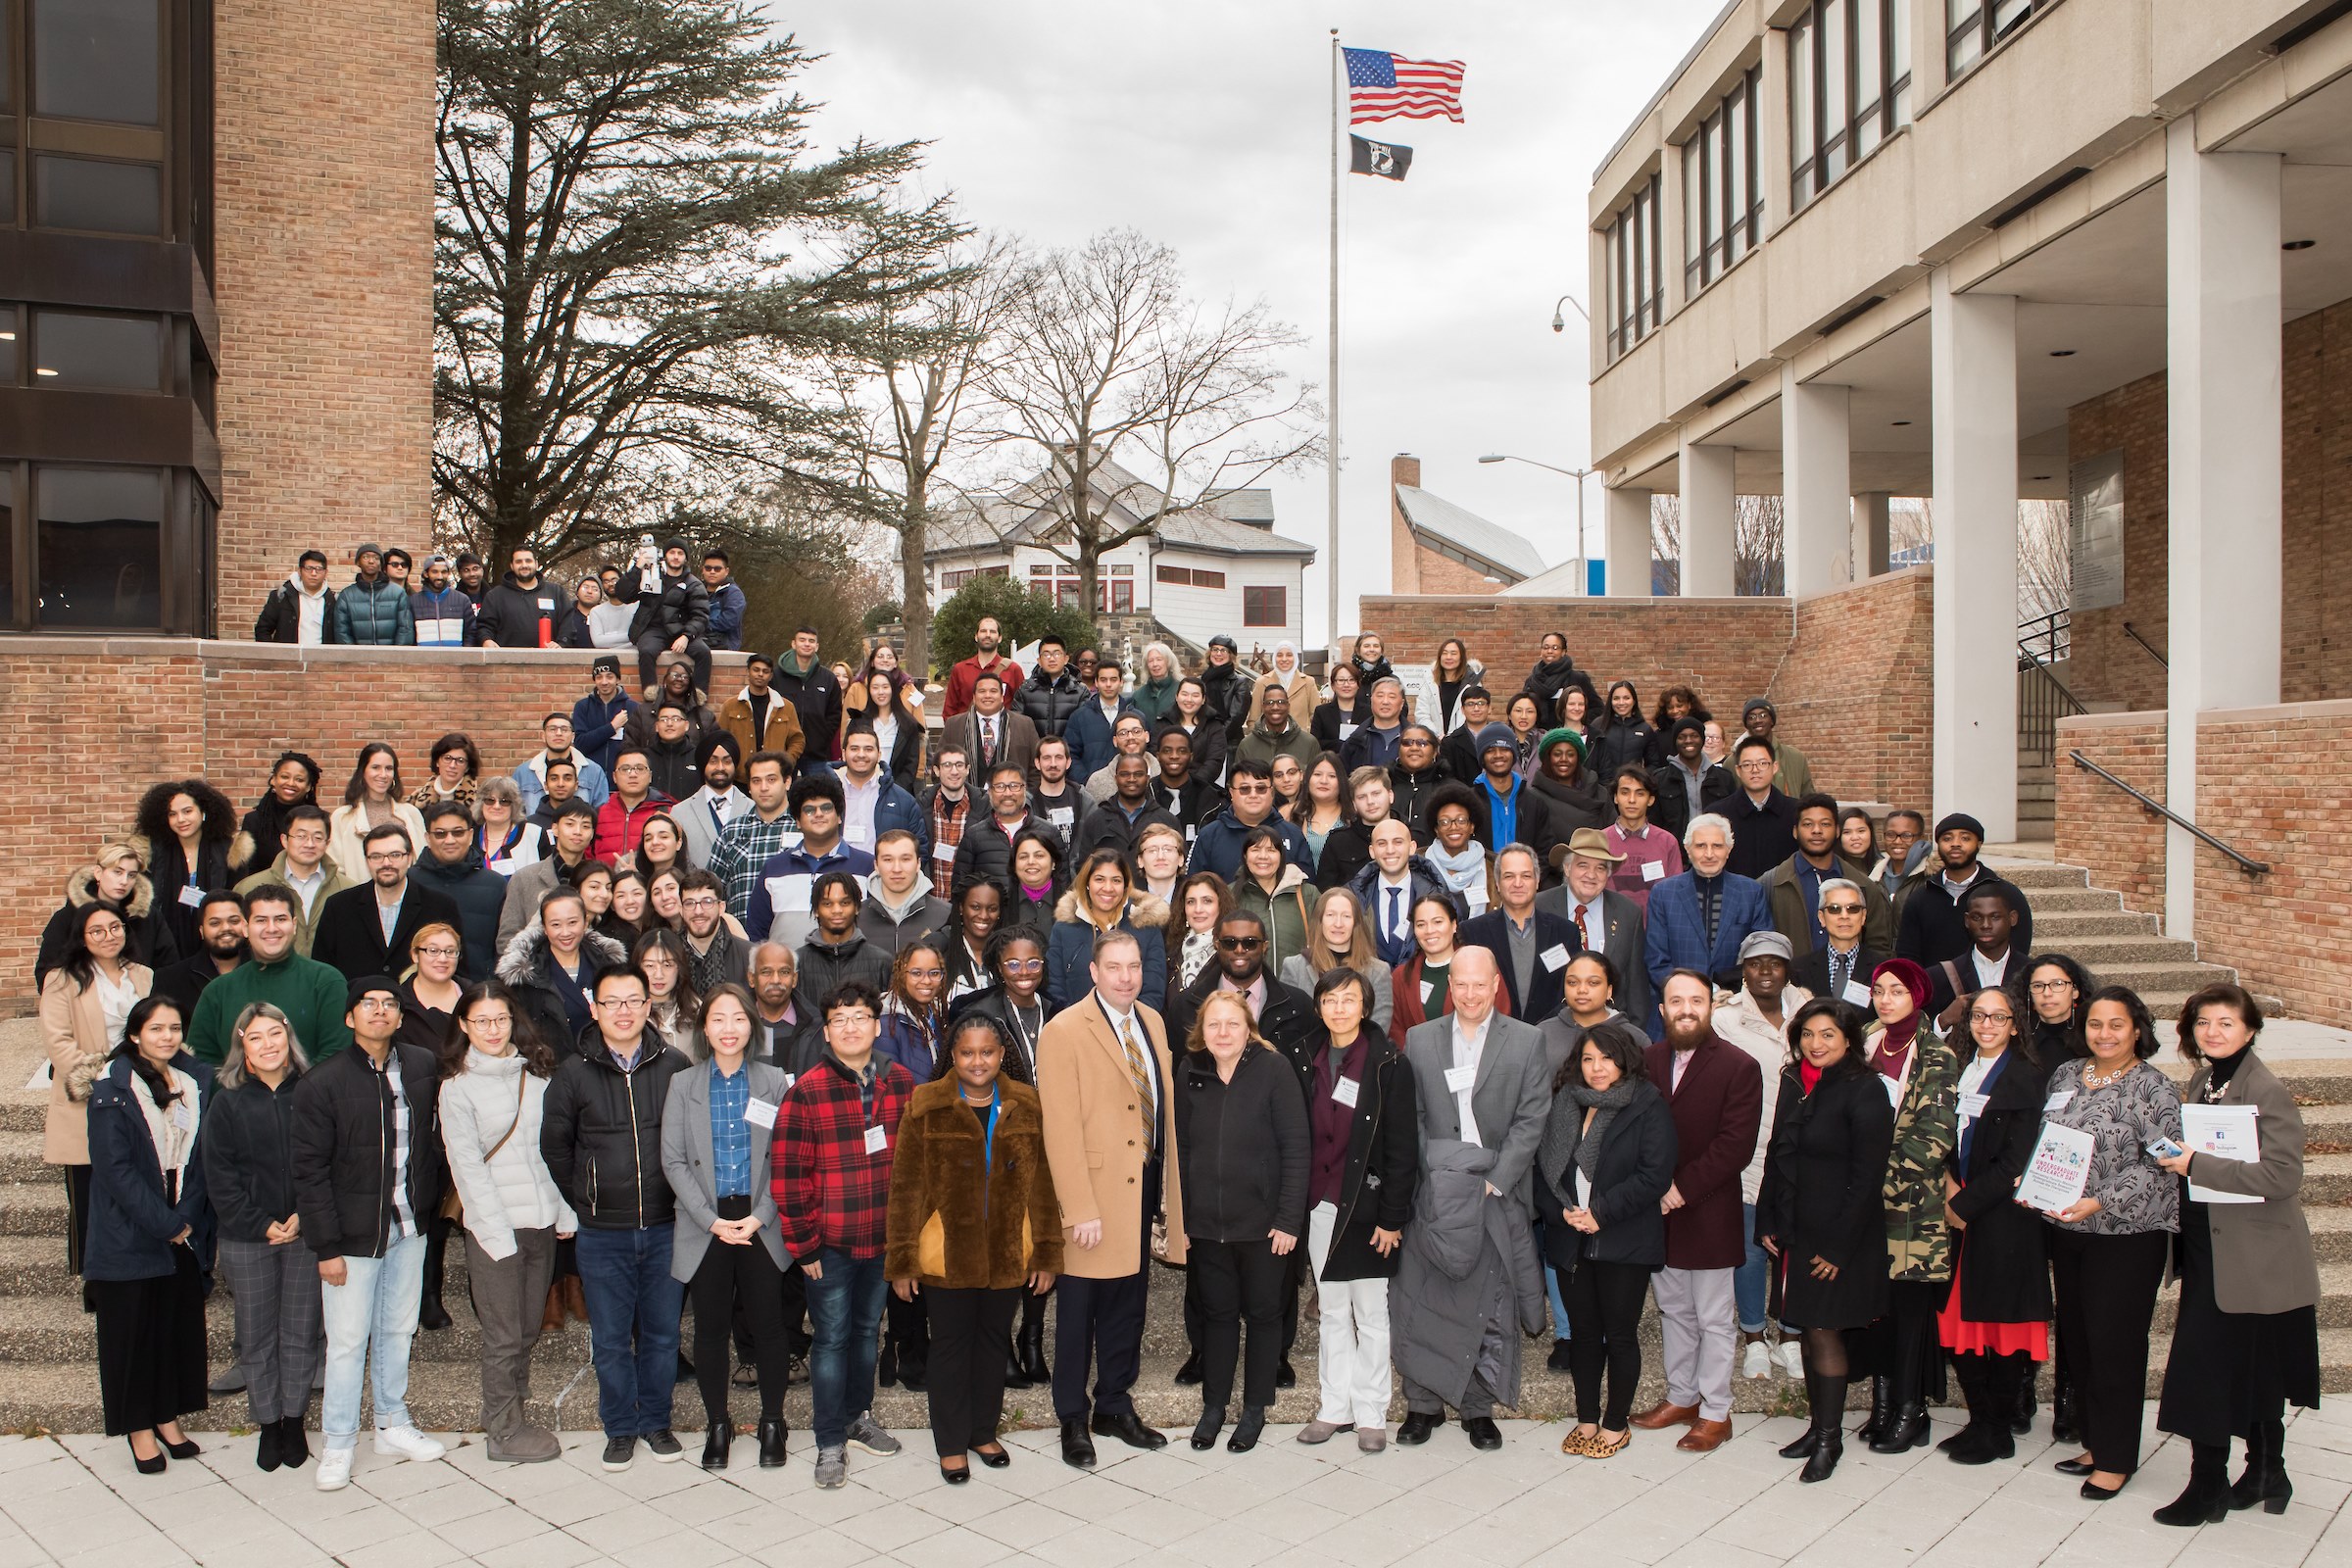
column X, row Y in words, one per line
column 1963, row 1338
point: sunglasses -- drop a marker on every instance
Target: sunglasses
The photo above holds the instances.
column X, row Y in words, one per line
column 1240, row 944
column 1842, row 909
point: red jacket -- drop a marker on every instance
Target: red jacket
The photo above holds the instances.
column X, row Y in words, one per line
column 1717, row 1110
column 829, row 1190
column 617, row 828
column 966, row 673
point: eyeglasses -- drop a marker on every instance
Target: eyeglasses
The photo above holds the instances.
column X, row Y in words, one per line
column 2049, row 988
column 1240, row 944
column 436, row 953
column 1251, row 789
column 1021, row 965
column 1842, row 909
column 931, row 973
column 377, row 1004
column 703, row 902
column 385, row 857
column 1414, row 740
column 622, row 1003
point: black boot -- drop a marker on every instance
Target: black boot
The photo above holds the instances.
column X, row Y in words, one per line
column 1963, row 1446
column 2206, row 1500
column 771, row 1443
column 2022, row 1408
column 293, row 1444
column 2265, row 1479
column 2061, row 1405
column 1206, row 1430
column 886, row 1366
column 430, row 1314
column 1032, row 1350
column 1908, row 1429
column 1189, row 1374
column 1247, row 1430
column 1881, row 1408
column 716, row 1442
column 1828, row 1431
column 1810, row 1438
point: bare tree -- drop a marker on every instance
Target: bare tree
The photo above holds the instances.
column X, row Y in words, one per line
column 2045, row 567
column 921, row 400
column 1107, row 362
column 1758, row 523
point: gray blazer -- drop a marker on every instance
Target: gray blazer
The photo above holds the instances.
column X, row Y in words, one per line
column 1624, row 945
column 2262, row 1257
column 1511, row 1097
column 686, row 1162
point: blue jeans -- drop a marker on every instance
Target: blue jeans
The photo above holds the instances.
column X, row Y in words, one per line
column 1751, row 1280
column 633, row 1307
column 845, row 1310
column 376, row 1306
column 1552, row 1283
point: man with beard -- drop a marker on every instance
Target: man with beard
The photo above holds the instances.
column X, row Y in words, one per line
column 1188, row 800
column 987, row 638
column 522, row 610
column 804, row 680
column 220, row 948
column 367, row 930
column 1715, row 1092
column 703, row 815
column 1928, row 911
column 715, row 955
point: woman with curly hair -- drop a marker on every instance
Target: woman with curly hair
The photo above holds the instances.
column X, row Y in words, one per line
column 1203, row 899
column 914, row 1014
column 1675, row 704
column 186, row 828
column 293, row 781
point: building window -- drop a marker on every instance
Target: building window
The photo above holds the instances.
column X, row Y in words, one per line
column 1265, row 607
column 110, row 353
column 98, row 548
column 98, row 60
column 1849, row 88
column 952, row 580
column 1189, row 577
column 1971, row 28
column 1634, row 279
column 95, row 115
column 1723, row 200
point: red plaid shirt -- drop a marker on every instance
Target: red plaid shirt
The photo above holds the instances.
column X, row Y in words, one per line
column 829, row 1190
column 947, row 819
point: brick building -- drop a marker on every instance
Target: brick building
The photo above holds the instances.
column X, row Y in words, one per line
column 216, row 302
column 1435, row 546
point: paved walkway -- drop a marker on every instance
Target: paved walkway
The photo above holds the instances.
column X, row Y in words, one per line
column 76, row 1499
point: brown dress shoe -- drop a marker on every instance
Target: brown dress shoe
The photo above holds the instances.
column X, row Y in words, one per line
column 551, row 1321
column 1704, row 1437
column 1666, row 1414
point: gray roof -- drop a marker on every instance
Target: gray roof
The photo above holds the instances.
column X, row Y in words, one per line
column 1201, row 530
column 1236, row 522
column 1512, row 557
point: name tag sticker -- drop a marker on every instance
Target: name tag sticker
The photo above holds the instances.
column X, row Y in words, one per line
column 1427, row 986
column 1654, row 871
column 1857, row 993
column 1972, row 1105
column 943, row 851
column 876, row 1141
column 1061, row 816
column 192, row 896
column 863, row 837
column 790, row 1079
column 758, row 1113
column 2058, row 1101
column 789, row 892
column 183, row 1117
column 503, row 867
column 1346, row 1091
column 1555, row 957
column 1458, row 1079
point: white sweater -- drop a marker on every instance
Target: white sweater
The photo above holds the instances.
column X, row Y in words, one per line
column 514, row 1190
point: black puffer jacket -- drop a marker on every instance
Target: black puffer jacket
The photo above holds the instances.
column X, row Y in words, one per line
column 248, row 1150
column 1228, row 689
column 343, row 1155
column 674, row 607
column 1243, row 1146
column 601, row 1134
column 1050, row 701
column 510, row 614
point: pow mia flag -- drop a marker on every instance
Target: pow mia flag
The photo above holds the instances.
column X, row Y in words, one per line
column 1387, row 158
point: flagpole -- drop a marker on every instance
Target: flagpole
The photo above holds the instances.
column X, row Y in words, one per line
column 1331, row 439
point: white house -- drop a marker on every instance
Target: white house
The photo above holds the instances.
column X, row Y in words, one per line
column 1217, row 568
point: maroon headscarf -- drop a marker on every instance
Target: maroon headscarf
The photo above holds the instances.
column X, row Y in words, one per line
column 1895, row 1040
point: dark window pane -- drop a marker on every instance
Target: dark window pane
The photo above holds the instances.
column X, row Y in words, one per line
column 96, row 60
column 100, row 547
column 119, row 353
column 8, row 543
column 108, row 197
column 8, row 345
column 8, row 187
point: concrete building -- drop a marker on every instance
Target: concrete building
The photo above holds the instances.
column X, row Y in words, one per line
column 1216, row 567
column 1435, row 546
column 216, row 302
column 1984, row 249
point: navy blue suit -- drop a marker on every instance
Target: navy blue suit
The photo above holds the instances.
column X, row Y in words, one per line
column 1677, row 938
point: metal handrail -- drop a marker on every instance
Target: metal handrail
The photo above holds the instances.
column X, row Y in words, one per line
column 2133, row 632
column 2025, row 661
column 2245, row 864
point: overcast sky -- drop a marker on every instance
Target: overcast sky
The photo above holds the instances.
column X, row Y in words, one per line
column 1206, row 126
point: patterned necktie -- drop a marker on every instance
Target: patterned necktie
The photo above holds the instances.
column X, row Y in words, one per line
column 1139, row 1070
column 987, row 743
column 1584, row 938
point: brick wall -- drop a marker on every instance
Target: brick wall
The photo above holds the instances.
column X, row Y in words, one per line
column 2315, row 622
column 323, row 211
column 1857, row 691
column 2101, row 827
column 146, row 709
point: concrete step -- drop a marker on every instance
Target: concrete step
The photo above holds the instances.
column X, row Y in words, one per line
column 2036, row 875
column 20, row 1157
column 2162, row 978
column 2056, row 928
column 2103, row 953
column 2330, row 1233
column 2326, row 1179
column 2069, row 900
column 33, row 1208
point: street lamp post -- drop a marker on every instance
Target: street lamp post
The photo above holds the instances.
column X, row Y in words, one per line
column 1580, row 476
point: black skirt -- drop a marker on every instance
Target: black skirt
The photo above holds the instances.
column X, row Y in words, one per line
column 151, row 1347
column 2229, row 1370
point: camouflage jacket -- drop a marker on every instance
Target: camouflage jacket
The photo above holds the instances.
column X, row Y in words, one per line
column 1927, row 1129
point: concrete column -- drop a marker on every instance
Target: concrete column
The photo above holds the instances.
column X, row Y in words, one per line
column 1628, row 543
column 1816, row 482
column 1873, row 535
column 1708, row 520
column 2224, row 419
column 1974, row 374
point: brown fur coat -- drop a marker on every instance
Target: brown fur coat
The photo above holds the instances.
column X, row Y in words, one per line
column 938, row 1233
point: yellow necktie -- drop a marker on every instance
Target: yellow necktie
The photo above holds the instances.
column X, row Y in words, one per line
column 1138, row 1069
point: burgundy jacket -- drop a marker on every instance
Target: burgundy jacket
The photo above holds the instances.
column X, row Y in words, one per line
column 1717, row 1110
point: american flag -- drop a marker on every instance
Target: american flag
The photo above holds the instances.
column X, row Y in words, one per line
column 1386, row 86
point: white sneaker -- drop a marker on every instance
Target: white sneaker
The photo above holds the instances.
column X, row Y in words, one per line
column 1793, row 1360
column 407, row 1443
column 334, row 1469
column 1756, row 1360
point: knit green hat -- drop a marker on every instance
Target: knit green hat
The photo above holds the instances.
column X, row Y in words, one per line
column 1552, row 738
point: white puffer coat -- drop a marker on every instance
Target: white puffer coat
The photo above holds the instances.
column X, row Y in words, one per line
column 513, row 1191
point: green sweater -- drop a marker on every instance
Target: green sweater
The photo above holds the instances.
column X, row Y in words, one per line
column 308, row 993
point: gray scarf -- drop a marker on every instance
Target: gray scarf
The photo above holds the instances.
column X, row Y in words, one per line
column 1567, row 1141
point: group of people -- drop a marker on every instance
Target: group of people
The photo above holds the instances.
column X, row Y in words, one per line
column 1480, row 1028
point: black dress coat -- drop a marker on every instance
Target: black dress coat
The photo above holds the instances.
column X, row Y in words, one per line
column 1821, row 1196
column 2005, row 1272
column 1637, row 1167
column 1384, row 1153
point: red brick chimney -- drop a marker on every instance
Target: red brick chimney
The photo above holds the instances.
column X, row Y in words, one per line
column 1404, row 561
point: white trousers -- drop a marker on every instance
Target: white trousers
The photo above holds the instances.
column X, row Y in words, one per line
column 1700, row 1325
column 1351, row 1361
